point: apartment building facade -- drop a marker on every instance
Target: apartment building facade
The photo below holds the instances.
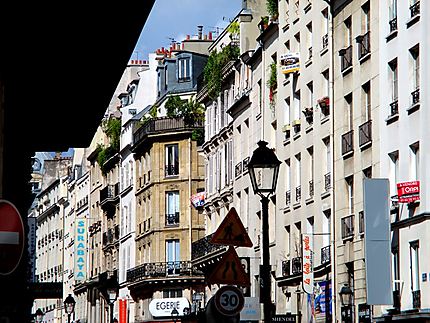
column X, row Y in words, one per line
column 404, row 82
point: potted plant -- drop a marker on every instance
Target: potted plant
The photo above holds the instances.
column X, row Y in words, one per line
column 272, row 9
column 308, row 112
column 324, row 101
column 264, row 23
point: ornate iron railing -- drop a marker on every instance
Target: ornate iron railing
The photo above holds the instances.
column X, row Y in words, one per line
column 415, row 9
column 416, row 299
column 346, row 55
column 172, row 170
column 296, row 265
column 416, row 96
column 347, row 226
column 365, row 133
column 325, row 41
column 393, row 24
column 203, row 247
column 286, row 268
column 288, row 197
column 347, row 142
column 160, row 270
column 172, row 219
column 238, row 169
column 325, row 255
column 109, row 192
column 394, row 108
column 311, row 188
column 327, row 181
column 363, row 45
column 298, row 193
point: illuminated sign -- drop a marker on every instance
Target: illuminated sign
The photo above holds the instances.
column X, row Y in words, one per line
column 80, row 249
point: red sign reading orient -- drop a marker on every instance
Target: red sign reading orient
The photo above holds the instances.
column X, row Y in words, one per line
column 11, row 237
column 408, row 191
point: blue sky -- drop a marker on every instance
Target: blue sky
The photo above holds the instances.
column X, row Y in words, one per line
column 174, row 19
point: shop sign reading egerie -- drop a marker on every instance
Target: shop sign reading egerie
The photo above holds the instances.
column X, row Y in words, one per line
column 80, row 249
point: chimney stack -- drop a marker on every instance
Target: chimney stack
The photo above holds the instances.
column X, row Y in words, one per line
column 200, row 31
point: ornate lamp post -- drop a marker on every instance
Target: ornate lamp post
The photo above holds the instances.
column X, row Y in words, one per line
column 39, row 316
column 346, row 294
column 69, row 306
column 263, row 170
column 112, row 293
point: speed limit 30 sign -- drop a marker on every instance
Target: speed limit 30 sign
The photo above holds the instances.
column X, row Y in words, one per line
column 229, row 300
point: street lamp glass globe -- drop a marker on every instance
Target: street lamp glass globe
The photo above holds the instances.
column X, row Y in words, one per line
column 345, row 294
column 264, row 169
column 112, row 294
column 69, row 304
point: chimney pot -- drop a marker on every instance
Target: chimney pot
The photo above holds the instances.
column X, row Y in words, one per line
column 210, row 35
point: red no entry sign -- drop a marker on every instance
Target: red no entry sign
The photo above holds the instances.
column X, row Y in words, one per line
column 11, row 237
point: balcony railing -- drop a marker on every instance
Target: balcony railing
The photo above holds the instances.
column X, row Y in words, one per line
column 346, row 58
column 347, row 142
column 109, row 193
column 415, row 9
column 363, row 45
column 288, row 197
column 203, row 247
column 393, row 24
column 361, row 222
column 160, row 270
column 286, row 268
column 415, row 96
column 298, row 193
column 163, row 125
column 296, row 265
column 172, row 170
column 309, row 53
column 311, row 188
column 172, row 219
column 245, row 164
column 325, row 255
column 365, row 133
column 327, row 181
column 325, row 41
column 416, row 299
column 394, row 108
column 348, row 227
column 238, row 169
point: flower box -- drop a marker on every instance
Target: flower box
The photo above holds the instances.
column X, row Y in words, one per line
column 324, row 101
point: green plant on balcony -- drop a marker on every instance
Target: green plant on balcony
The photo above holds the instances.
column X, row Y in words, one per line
column 212, row 72
column 234, row 30
column 272, row 9
column 112, row 128
column 272, row 83
column 191, row 111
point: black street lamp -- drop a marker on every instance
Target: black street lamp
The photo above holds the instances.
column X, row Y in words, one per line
column 39, row 316
column 69, row 306
column 263, row 170
column 346, row 295
column 112, row 293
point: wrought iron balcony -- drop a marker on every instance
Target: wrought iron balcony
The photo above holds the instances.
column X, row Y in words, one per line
column 238, row 169
column 346, row 58
column 365, row 133
column 172, row 219
column 325, row 41
column 361, row 222
column 394, row 108
column 310, row 53
column 163, row 125
column 109, row 194
column 110, row 236
column 347, row 142
column 298, row 193
column 327, row 181
column 415, row 96
column 288, row 197
column 415, row 9
column 416, row 299
column 393, row 24
column 161, row 270
column 347, row 226
column 325, row 255
column 203, row 247
column 245, row 164
column 286, row 267
column 296, row 265
column 311, row 188
column 363, row 42
column 172, row 170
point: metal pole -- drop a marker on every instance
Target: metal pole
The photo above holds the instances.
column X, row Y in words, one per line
column 111, row 312
column 68, row 318
column 265, row 269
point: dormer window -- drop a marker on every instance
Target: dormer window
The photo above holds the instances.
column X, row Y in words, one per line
column 124, row 98
column 184, row 69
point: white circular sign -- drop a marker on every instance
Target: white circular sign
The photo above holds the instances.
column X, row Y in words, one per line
column 229, row 300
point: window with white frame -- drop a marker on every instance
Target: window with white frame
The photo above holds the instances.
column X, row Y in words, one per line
column 394, row 80
column 414, row 258
column 172, row 208
column 366, row 101
column 172, row 160
column 414, row 161
column 350, row 193
column 298, row 169
column 415, row 67
column 184, row 69
column 287, row 111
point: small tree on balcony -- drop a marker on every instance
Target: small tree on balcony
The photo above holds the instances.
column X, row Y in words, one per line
column 272, row 8
column 272, row 83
